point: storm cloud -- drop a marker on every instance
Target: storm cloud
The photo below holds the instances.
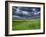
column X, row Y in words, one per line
column 25, row 12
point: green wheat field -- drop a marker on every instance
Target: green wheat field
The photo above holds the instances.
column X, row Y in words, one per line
column 26, row 24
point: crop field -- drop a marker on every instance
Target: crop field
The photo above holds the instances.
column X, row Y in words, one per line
column 26, row 24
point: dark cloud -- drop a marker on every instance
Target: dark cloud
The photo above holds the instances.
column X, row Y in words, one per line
column 25, row 12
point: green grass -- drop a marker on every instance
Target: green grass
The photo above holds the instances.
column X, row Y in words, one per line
column 26, row 25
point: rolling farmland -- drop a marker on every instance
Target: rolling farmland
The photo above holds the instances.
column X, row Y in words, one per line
column 26, row 25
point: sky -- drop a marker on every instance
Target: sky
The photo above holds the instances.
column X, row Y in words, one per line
column 25, row 12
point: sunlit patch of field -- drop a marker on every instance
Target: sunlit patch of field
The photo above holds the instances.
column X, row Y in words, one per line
column 26, row 24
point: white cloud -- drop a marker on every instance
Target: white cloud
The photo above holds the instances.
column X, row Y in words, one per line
column 34, row 9
column 35, row 13
column 16, row 16
column 25, row 12
column 18, row 10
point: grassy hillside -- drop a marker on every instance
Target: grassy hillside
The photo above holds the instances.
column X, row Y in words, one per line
column 26, row 25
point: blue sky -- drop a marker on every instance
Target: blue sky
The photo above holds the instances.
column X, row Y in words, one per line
column 25, row 12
